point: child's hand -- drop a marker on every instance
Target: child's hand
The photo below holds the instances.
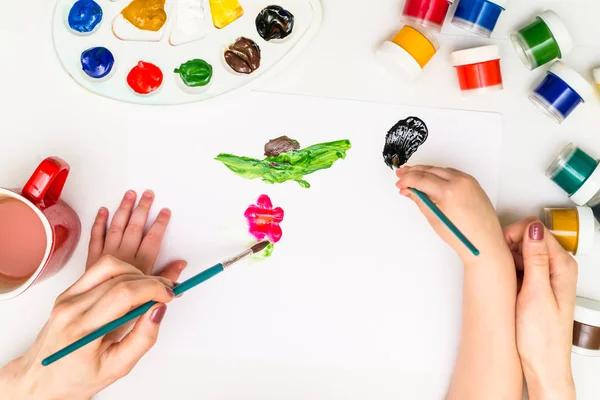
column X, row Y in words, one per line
column 545, row 309
column 465, row 203
column 108, row 290
column 125, row 238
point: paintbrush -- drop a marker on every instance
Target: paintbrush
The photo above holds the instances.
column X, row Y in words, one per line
column 445, row 220
column 139, row 311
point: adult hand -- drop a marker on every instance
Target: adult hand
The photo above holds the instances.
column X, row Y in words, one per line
column 108, row 290
column 126, row 239
column 465, row 203
column 545, row 309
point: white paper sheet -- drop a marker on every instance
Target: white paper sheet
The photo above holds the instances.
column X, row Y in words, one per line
column 360, row 298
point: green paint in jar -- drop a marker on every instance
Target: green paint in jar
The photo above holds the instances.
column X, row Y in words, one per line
column 544, row 40
column 577, row 173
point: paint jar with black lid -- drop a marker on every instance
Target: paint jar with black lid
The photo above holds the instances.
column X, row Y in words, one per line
column 578, row 174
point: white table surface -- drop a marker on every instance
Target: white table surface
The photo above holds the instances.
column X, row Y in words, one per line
column 38, row 99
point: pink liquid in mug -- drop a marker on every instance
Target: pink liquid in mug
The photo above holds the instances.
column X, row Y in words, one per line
column 22, row 240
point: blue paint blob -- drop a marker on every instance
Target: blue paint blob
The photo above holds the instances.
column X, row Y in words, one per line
column 84, row 16
column 477, row 16
column 97, row 62
column 556, row 96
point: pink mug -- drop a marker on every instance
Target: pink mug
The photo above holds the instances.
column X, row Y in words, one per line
column 61, row 225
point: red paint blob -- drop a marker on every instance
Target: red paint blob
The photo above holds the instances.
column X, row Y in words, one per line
column 480, row 75
column 264, row 220
column 145, row 78
column 431, row 13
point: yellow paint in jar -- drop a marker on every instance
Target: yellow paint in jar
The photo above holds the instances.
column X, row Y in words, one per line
column 224, row 12
column 148, row 15
column 564, row 225
column 408, row 52
column 575, row 229
column 419, row 46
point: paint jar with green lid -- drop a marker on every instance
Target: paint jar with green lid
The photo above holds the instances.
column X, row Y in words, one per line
column 578, row 174
column 544, row 40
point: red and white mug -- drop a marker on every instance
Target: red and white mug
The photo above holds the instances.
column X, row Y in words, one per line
column 61, row 225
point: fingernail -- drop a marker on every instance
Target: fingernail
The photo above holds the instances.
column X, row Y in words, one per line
column 182, row 266
column 158, row 314
column 170, row 291
column 166, row 212
column 536, row 231
column 130, row 194
column 148, row 194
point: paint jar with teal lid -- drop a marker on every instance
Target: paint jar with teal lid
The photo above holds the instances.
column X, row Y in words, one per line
column 479, row 16
column 544, row 40
column 578, row 174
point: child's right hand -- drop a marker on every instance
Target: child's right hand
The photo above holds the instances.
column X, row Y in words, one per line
column 465, row 203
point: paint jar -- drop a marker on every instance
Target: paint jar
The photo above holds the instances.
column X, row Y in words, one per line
column 478, row 16
column 574, row 228
column 559, row 94
column 586, row 328
column 578, row 174
column 597, row 77
column 408, row 52
column 427, row 13
column 542, row 41
column 478, row 69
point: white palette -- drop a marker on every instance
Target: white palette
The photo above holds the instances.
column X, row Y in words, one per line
column 275, row 54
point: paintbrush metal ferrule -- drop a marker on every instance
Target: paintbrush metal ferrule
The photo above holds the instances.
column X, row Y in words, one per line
column 257, row 248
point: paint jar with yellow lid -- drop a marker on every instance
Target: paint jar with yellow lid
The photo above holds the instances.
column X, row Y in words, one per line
column 597, row 76
column 575, row 229
column 408, row 52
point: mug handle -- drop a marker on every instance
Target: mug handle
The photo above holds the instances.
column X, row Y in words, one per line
column 47, row 181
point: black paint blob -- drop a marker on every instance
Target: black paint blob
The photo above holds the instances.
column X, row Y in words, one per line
column 274, row 22
column 403, row 140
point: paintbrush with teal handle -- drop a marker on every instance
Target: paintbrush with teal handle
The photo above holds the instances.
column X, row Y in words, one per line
column 445, row 220
column 139, row 311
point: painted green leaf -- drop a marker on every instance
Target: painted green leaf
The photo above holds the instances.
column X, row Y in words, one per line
column 292, row 166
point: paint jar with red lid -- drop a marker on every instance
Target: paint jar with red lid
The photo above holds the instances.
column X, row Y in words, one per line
column 478, row 70
column 427, row 13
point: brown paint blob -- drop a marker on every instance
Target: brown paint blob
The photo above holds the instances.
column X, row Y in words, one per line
column 243, row 56
column 148, row 15
column 282, row 144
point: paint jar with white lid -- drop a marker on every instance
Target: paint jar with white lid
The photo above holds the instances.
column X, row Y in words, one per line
column 542, row 41
column 561, row 92
column 426, row 13
column 479, row 16
column 597, row 76
column 478, row 70
column 575, row 229
column 586, row 327
column 578, row 174
column 409, row 51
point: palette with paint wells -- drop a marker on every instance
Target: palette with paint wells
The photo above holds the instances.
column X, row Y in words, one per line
column 178, row 51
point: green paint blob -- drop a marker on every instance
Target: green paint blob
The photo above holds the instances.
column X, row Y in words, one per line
column 291, row 166
column 537, row 44
column 195, row 73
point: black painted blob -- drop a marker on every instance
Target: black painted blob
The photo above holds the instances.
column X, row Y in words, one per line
column 274, row 22
column 403, row 140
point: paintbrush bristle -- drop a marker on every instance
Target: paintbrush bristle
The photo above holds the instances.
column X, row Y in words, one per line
column 257, row 248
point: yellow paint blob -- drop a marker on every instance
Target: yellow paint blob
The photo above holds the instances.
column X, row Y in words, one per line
column 148, row 15
column 224, row 12
column 564, row 225
column 416, row 44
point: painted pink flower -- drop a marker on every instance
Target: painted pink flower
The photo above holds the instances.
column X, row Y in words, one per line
column 264, row 220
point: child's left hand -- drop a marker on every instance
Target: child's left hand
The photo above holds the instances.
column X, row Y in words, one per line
column 126, row 240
